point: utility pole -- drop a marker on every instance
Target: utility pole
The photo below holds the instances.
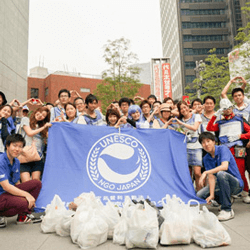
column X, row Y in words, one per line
column 200, row 66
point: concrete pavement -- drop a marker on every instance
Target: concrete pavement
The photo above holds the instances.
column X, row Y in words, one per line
column 23, row 237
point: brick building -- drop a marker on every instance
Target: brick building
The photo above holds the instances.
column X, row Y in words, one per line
column 45, row 85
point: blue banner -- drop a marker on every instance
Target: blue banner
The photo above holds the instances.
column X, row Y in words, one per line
column 140, row 163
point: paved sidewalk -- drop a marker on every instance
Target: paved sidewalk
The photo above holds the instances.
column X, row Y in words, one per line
column 30, row 237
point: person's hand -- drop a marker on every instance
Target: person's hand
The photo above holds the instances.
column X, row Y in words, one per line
column 232, row 138
column 31, row 200
column 202, row 178
column 218, row 112
column 209, row 198
column 47, row 125
column 177, row 121
column 248, row 145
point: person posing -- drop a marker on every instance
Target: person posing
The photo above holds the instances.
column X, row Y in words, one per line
column 93, row 116
column 71, row 114
column 16, row 198
column 5, row 127
column 208, row 111
column 165, row 121
column 55, row 112
column 124, row 104
column 190, row 123
column 196, row 106
column 80, row 106
column 232, row 130
column 35, row 128
column 113, row 118
column 146, row 116
column 224, row 178
column 174, row 109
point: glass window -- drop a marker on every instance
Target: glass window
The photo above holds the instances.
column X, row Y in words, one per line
column 34, row 93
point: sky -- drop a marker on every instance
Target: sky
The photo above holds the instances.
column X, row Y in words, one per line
column 69, row 35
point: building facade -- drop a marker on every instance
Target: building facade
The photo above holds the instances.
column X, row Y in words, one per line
column 190, row 28
column 14, row 25
column 45, row 85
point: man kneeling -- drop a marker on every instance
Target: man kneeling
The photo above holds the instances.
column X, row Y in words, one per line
column 224, row 178
column 16, row 198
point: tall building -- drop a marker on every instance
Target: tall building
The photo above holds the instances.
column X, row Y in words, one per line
column 190, row 28
column 14, row 25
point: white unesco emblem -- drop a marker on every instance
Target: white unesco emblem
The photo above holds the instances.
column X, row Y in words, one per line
column 118, row 163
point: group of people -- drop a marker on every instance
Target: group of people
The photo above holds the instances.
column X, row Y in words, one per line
column 218, row 147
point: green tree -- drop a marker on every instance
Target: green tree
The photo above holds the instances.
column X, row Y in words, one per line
column 213, row 78
column 242, row 50
column 120, row 79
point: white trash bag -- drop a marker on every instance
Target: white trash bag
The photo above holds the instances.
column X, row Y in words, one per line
column 53, row 214
column 176, row 228
column 121, row 227
column 111, row 216
column 93, row 232
column 143, row 228
column 63, row 226
column 208, row 231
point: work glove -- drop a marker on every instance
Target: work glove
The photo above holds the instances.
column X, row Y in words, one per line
column 233, row 138
column 218, row 112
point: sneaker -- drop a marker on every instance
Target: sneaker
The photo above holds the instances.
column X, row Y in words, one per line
column 246, row 199
column 3, row 222
column 225, row 215
column 27, row 219
column 214, row 203
column 236, row 196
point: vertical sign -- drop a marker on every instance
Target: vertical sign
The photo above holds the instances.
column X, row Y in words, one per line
column 157, row 81
column 166, row 80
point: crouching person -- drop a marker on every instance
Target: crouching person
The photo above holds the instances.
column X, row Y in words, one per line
column 224, row 178
column 15, row 198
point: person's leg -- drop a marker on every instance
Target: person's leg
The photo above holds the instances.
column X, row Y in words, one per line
column 36, row 175
column 25, row 176
column 25, row 170
column 203, row 193
column 36, row 170
column 197, row 175
column 228, row 185
column 11, row 205
column 247, row 160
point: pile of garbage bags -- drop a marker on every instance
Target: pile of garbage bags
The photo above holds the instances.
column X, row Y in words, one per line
column 136, row 224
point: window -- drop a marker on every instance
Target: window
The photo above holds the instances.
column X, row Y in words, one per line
column 46, row 91
column 84, row 90
column 34, row 93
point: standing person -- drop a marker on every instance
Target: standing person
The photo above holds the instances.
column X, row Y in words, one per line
column 146, row 116
column 196, row 106
column 124, row 104
column 16, row 198
column 208, row 112
column 64, row 98
column 224, row 178
column 151, row 99
column 71, row 114
column 232, row 130
column 5, row 127
column 35, row 128
column 112, row 117
column 190, row 123
column 80, row 105
column 93, row 116
column 165, row 120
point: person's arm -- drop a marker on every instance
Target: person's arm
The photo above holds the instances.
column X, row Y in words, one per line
column 222, row 167
column 211, row 126
column 211, row 183
column 244, row 83
column 18, row 192
column 31, row 132
column 188, row 126
column 226, row 88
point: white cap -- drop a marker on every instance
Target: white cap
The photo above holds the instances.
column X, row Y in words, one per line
column 225, row 104
column 25, row 107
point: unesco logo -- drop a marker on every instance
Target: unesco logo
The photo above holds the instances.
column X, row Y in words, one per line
column 118, row 163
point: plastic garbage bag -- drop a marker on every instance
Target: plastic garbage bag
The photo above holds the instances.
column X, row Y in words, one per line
column 93, row 232
column 176, row 228
column 53, row 214
column 63, row 226
column 207, row 231
column 143, row 229
column 110, row 214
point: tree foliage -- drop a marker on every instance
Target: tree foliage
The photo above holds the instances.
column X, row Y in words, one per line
column 214, row 76
column 242, row 50
column 120, row 79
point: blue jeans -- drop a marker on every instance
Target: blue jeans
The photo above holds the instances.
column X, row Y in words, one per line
column 226, row 185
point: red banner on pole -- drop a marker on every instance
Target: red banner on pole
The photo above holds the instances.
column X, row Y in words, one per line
column 166, row 79
column 157, row 81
